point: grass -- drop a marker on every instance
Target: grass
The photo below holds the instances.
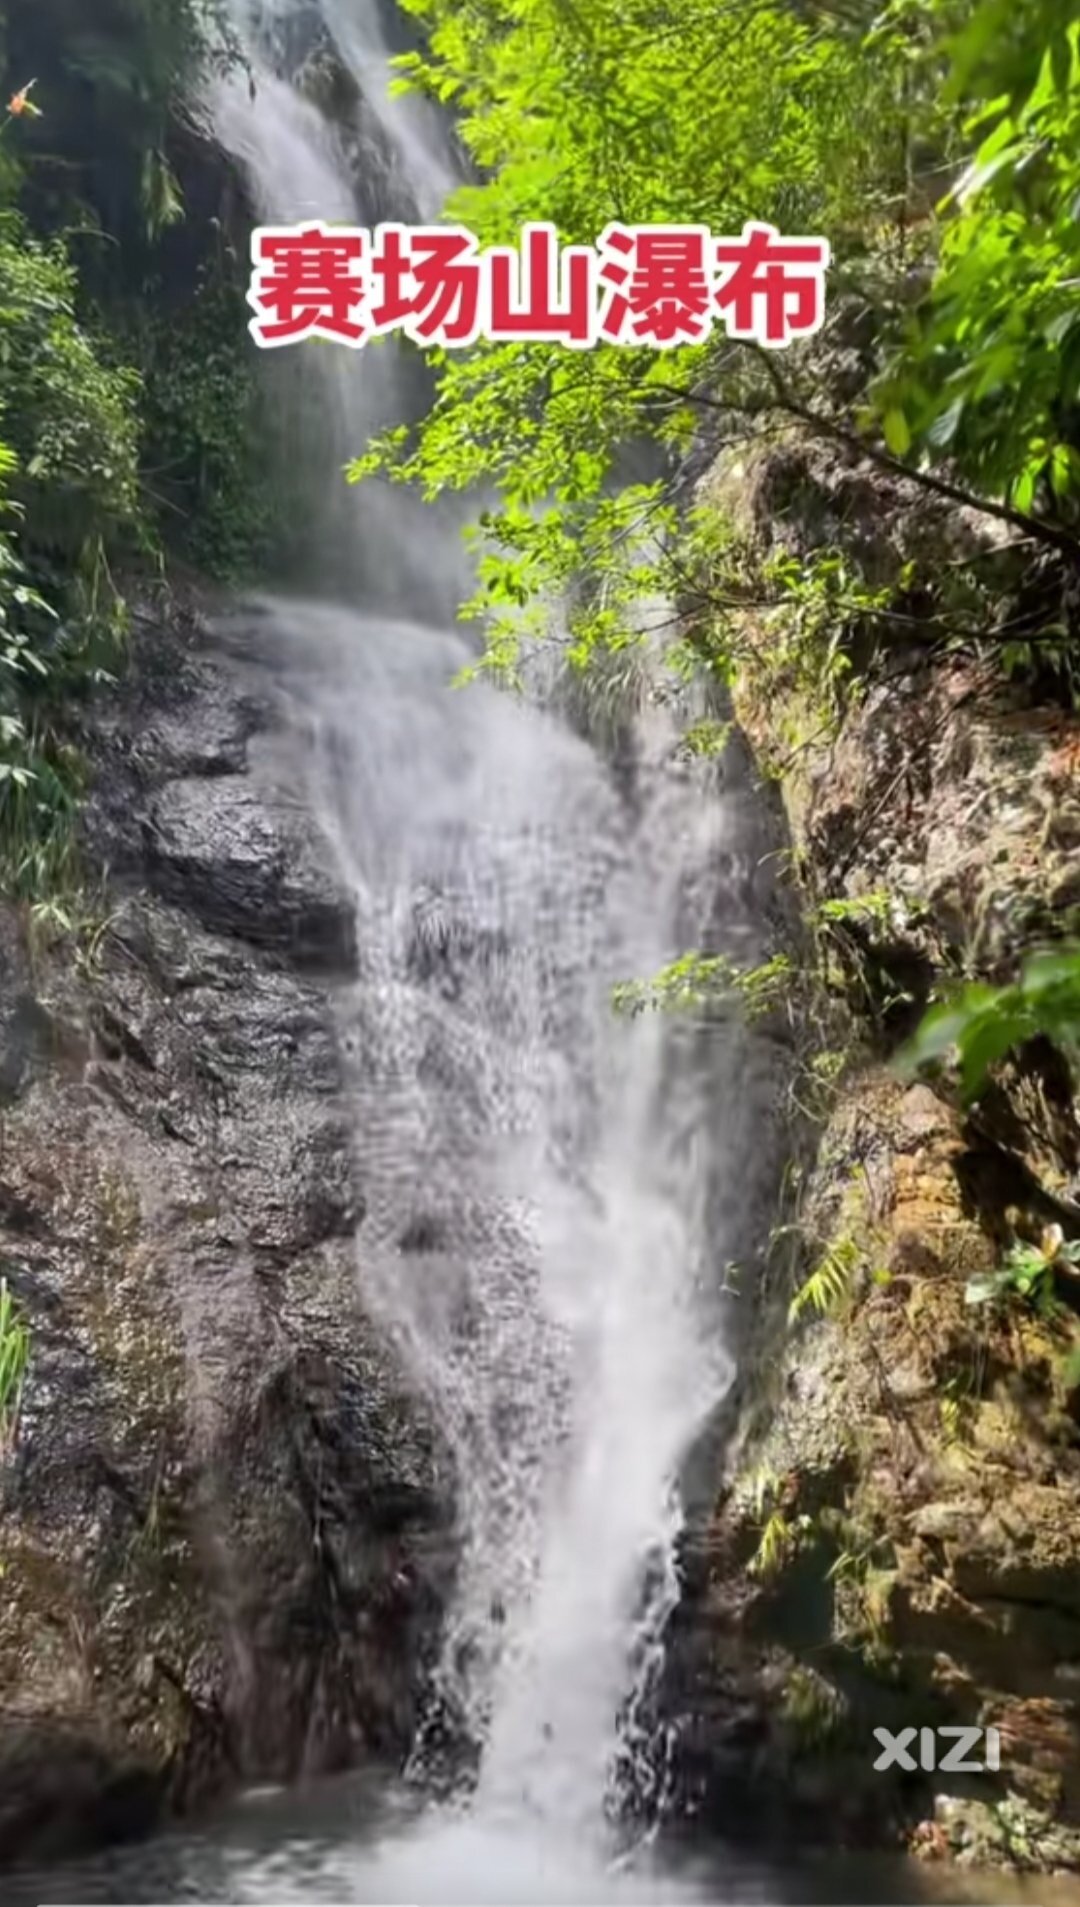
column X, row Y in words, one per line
column 14, row 1362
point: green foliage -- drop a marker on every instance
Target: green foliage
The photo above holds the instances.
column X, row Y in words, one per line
column 109, row 77
column 112, row 331
column 1028, row 1272
column 14, row 1363
column 69, row 501
column 696, row 981
column 623, row 111
column 585, row 115
column 988, row 374
column 863, row 1576
column 201, row 414
column 830, row 1283
column 760, row 1494
column 89, row 192
column 37, row 781
column 820, row 602
column 981, row 1024
column 779, row 1541
column 706, row 738
column 876, row 908
column 847, row 120
column 69, row 415
column 758, row 1489
column 785, row 627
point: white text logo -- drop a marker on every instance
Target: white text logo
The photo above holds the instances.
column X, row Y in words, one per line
column 897, row 1750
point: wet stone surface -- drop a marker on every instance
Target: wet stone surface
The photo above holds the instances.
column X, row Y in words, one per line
column 224, row 1520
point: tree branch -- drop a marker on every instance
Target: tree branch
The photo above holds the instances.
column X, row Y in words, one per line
column 1048, row 533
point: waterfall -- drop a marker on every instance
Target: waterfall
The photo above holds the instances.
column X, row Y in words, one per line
column 550, row 1189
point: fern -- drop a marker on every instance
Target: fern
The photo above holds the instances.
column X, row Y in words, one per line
column 829, row 1284
column 776, row 1545
column 779, row 1534
column 759, row 1490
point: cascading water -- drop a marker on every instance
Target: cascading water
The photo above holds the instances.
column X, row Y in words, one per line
column 544, row 1231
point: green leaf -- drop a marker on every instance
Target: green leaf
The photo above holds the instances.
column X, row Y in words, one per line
column 945, row 426
column 1061, row 61
column 984, row 170
column 896, row 432
column 1023, row 492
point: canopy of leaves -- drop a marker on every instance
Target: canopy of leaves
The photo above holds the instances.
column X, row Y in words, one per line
column 70, row 416
column 687, row 112
column 933, row 141
column 990, row 369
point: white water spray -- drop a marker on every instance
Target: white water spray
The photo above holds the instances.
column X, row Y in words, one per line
column 539, row 1175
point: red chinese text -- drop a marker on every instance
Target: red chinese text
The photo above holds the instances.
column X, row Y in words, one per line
column 656, row 286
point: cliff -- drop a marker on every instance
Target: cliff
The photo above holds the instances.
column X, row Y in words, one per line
column 896, row 1539
column 223, row 1538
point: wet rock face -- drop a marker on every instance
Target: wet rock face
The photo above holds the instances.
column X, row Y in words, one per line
column 224, row 1521
column 247, row 865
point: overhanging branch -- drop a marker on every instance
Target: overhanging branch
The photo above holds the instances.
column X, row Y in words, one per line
column 785, row 400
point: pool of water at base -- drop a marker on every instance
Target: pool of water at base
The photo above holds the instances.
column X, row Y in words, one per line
column 368, row 1844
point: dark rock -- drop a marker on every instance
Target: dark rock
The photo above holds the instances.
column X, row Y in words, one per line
column 60, row 1790
column 226, row 1521
column 249, row 867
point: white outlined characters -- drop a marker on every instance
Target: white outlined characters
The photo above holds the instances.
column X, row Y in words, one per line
column 430, row 283
column 771, row 289
column 656, row 286
column 309, row 281
column 539, row 295
column 659, row 285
